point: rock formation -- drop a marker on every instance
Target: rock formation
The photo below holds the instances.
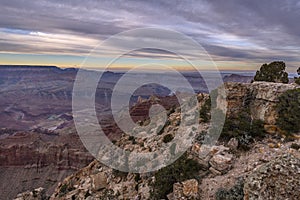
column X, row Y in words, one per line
column 278, row 179
column 261, row 97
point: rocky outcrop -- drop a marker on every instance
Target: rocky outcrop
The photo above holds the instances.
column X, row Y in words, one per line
column 278, row 179
column 221, row 162
column 61, row 156
column 185, row 190
column 260, row 97
column 217, row 158
column 37, row 150
column 98, row 181
column 36, row 194
column 30, row 159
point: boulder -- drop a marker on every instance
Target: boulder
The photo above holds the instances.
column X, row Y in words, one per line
column 185, row 190
column 233, row 143
column 99, row 181
column 177, row 191
column 221, row 163
column 190, row 188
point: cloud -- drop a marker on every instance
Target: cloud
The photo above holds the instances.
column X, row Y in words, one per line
column 248, row 31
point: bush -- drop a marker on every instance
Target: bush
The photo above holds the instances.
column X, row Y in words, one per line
column 235, row 193
column 237, row 125
column 288, row 109
column 181, row 170
column 168, row 138
column 245, row 140
column 273, row 72
column 137, row 177
column 131, row 138
column 297, row 80
column 205, row 110
column 257, row 129
column 118, row 173
column 243, row 128
column 64, row 189
column 295, row 146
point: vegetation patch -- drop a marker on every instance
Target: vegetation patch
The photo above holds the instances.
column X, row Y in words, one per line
column 295, row 146
column 235, row 193
column 168, row 138
column 182, row 169
column 205, row 110
column 273, row 72
column 118, row 173
column 297, row 79
column 288, row 109
column 64, row 189
column 243, row 127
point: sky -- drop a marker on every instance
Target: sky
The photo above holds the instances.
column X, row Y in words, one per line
column 237, row 35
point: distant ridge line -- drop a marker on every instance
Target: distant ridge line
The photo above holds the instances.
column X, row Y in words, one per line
column 30, row 66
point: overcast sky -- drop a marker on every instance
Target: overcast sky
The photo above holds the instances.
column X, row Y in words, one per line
column 237, row 34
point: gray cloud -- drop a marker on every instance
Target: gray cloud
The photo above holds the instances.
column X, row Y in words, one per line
column 233, row 30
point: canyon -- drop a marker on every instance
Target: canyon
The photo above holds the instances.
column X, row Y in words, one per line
column 39, row 143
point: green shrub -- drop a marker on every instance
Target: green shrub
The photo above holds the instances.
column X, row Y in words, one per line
column 181, row 170
column 295, row 146
column 273, row 72
column 288, row 109
column 34, row 192
column 87, row 194
column 64, row 189
column 243, row 128
column 237, row 125
column 118, row 173
column 137, row 177
column 257, row 129
column 171, row 110
column 235, row 193
column 245, row 141
column 131, row 138
column 168, row 138
column 297, row 80
column 205, row 110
